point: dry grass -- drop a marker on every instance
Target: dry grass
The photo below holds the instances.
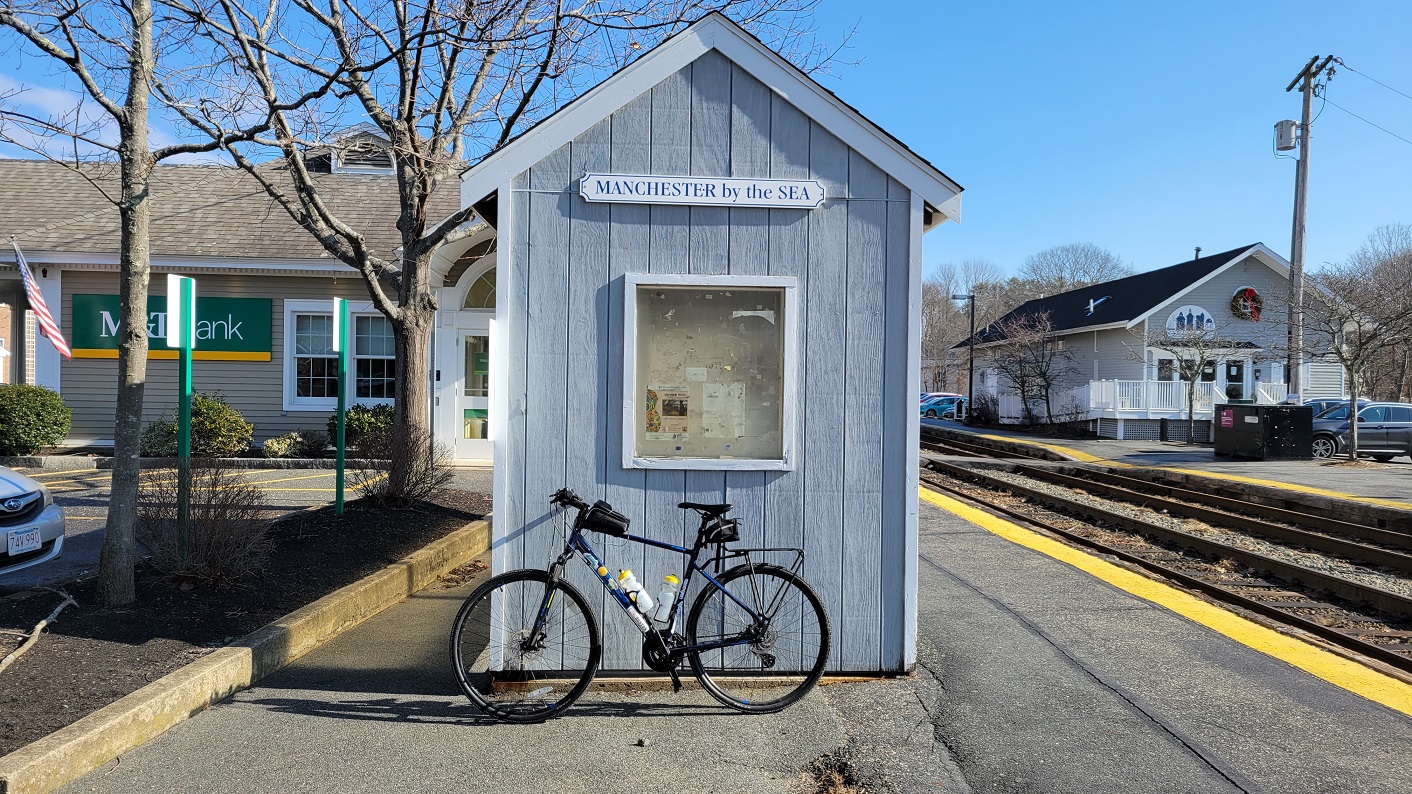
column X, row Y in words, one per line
column 226, row 540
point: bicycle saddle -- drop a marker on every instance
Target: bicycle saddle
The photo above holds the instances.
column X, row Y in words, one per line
column 710, row 510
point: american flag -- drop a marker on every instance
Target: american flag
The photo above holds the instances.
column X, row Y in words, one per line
column 47, row 326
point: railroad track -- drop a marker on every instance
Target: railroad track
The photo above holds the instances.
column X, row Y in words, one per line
column 1369, row 635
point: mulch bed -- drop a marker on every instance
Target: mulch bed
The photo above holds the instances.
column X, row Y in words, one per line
column 91, row 656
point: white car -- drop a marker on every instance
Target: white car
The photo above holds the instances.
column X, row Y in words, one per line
column 32, row 524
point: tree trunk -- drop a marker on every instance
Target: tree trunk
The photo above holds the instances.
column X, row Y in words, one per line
column 1352, row 423
column 1191, row 412
column 118, row 558
column 411, row 418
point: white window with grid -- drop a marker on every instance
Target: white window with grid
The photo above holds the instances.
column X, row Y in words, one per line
column 311, row 366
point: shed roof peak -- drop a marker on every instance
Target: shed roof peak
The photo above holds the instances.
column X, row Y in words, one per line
column 717, row 32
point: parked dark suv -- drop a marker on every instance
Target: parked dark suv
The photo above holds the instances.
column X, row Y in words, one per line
column 1384, row 432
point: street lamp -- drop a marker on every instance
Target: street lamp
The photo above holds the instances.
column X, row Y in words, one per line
column 971, row 340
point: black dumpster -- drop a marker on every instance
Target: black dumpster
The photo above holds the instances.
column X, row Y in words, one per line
column 1264, row 432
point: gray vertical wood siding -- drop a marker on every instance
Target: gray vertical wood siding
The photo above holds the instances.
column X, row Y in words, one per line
column 844, row 502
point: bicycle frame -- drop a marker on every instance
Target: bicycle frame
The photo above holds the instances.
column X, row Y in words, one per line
column 578, row 544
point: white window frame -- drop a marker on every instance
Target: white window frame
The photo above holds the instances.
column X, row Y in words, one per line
column 790, row 287
column 292, row 308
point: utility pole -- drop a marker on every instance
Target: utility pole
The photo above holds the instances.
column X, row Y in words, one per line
column 1305, row 80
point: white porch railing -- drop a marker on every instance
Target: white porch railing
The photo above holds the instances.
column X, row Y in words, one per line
column 1271, row 393
column 1145, row 396
column 1131, row 399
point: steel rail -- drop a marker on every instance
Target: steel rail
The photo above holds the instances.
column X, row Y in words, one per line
column 1357, row 551
column 1344, row 639
column 1317, row 580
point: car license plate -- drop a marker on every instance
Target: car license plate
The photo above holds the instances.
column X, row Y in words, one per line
column 23, row 540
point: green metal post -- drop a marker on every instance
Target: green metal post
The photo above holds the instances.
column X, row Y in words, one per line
column 187, row 300
column 341, row 314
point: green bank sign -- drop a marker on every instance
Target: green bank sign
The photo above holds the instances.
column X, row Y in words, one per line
column 227, row 329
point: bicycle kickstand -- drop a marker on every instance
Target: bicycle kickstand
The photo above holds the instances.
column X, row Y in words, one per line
column 676, row 681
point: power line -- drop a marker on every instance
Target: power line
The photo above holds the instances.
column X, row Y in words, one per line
column 1379, row 82
column 1365, row 121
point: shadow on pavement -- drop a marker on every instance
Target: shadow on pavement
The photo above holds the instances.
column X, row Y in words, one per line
column 391, row 709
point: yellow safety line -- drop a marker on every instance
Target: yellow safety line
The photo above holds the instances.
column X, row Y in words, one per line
column 1296, row 487
column 1215, row 475
column 1330, row 667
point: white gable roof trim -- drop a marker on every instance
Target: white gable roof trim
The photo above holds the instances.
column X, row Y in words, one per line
column 783, row 78
column 1273, row 260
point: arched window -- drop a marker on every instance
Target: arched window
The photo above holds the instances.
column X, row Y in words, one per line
column 481, row 295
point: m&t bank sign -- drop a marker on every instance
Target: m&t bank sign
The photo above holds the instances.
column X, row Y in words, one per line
column 227, row 329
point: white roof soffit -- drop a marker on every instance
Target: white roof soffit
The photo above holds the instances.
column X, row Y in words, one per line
column 445, row 257
column 1275, row 262
column 714, row 32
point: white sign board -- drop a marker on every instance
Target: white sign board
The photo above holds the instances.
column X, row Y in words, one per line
column 708, row 191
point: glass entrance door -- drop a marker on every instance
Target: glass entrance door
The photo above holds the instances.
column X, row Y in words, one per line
column 473, row 399
column 1235, row 379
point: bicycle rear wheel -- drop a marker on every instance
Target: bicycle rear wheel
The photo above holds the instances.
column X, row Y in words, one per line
column 510, row 674
column 778, row 658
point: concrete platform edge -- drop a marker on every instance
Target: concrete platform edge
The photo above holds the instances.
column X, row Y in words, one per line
column 58, row 463
column 74, row 751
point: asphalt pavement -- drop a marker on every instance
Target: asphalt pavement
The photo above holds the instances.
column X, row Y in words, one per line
column 1033, row 677
column 84, row 496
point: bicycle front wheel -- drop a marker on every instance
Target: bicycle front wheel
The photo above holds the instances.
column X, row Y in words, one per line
column 508, row 669
column 775, row 658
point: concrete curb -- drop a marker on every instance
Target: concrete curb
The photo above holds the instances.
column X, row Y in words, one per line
column 92, row 463
column 72, row 752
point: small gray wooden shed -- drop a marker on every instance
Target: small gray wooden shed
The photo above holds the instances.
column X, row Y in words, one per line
column 709, row 288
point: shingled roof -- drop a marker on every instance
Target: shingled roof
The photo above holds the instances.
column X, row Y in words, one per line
column 1119, row 301
column 198, row 211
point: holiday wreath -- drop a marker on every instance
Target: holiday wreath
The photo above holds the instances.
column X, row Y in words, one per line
column 1246, row 304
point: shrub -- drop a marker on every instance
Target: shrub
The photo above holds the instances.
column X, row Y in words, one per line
column 31, row 418
column 367, row 430
column 285, row 446
column 312, row 443
column 986, row 410
column 226, row 540
column 159, row 440
column 217, row 431
column 428, row 471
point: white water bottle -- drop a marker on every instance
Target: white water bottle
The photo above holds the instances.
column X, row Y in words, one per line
column 666, row 598
column 635, row 592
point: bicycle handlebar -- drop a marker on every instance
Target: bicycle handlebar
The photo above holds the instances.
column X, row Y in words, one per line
column 565, row 497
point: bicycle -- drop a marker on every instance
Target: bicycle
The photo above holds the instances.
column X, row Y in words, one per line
column 525, row 644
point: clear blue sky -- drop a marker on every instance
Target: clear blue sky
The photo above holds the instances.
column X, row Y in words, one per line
column 1145, row 128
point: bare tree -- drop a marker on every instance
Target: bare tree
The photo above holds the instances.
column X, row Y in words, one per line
column 1389, row 376
column 947, row 323
column 1360, row 312
column 1066, row 267
column 444, row 85
column 1030, row 357
column 107, row 47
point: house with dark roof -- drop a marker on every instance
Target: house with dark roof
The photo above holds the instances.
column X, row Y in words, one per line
column 1120, row 342
column 264, row 290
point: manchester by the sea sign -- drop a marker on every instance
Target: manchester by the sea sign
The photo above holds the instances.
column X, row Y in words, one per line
column 227, row 329
column 711, row 191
